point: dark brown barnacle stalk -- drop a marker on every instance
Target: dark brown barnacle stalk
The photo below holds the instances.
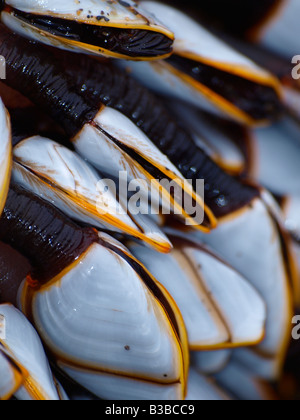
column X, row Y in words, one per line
column 79, row 274
column 36, row 74
column 113, row 29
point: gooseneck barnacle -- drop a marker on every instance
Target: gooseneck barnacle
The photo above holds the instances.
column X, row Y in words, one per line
column 149, row 200
column 112, row 29
column 33, row 73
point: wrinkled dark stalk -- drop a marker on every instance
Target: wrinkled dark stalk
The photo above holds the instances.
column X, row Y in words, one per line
column 46, row 237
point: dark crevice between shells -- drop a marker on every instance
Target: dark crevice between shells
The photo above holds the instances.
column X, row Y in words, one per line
column 14, row 268
column 129, row 42
column 234, row 16
column 47, row 238
column 259, row 101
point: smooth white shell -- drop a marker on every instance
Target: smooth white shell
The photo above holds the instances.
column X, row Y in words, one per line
column 281, row 33
column 268, row 368
column 10, row 376
column 251, row 242
column 112, row 387
column 277, row 150
column 291, row 215
column 201, row 388
column 194, row 42
column 211, row 138
column 210, row 362
column 193, row 39
column 118, row 14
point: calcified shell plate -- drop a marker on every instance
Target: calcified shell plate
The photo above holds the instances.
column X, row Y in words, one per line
column 10, row 376
column 61, row 177
column 163, row 77
column 102, row 145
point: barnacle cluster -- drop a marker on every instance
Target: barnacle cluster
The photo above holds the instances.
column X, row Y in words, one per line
column 149, row 200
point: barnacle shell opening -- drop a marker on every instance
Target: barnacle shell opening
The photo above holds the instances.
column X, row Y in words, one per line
column 209, row 315
column 214, row 319
column 202, row 388
column 223, row 194
column 110, row 28
column 225, row 142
